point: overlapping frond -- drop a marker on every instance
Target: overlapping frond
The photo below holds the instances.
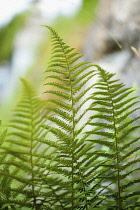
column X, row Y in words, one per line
column 4, row 181
column 112, row 104
column 24, row 151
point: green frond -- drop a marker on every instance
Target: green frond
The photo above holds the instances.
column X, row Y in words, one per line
column 108, row 118
column 62, row 95
column 124, row 102
column 82, row 94
column 2, row 137
column 20, row 141
column 60, row 123
column 131, row 195
column 102, row 125
column 122, row 96
column 59, row 103
column 132, row 182
column 129, row 144
column 131, row 153
column 57, row 154
column 126, row 133
column 103, row 142
column 112, row 106
column 60, row 86
column 58, row 71
column 60, row 113
column 56, row 77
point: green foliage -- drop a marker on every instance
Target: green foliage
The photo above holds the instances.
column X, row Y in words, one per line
column 57, row 154
column 88, row 9
column 7, row 36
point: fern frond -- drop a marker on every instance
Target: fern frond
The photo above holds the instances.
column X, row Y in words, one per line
column 71, row 78
column 111, row 104
column 21, row 141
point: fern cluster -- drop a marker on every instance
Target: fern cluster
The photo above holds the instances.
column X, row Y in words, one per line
column 75, row 150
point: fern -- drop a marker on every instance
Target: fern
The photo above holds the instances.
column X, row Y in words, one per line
column 21, row 147
column 110, row 101
column 75, row 150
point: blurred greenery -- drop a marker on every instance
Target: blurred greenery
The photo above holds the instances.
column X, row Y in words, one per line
column 7, row 35
column 88, row 10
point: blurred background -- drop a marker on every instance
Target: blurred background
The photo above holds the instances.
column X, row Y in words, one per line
column 107, row 32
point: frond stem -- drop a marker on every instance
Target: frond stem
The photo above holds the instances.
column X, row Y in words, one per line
column 73, row 124
column 31, row 158
column 73, row 131
column 117, row 151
